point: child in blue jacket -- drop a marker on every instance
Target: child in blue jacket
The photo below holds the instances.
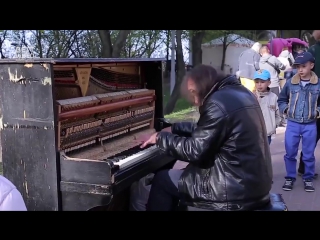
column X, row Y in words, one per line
column 299, row 101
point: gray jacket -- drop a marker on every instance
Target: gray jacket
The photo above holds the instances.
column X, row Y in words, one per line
column 248, row 63
column 273, row 73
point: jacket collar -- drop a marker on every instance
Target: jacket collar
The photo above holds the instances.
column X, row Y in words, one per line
column 262, row 94
column 313, row 80
column 229, row 80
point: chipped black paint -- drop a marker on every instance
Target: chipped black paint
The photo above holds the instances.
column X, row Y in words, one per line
column 27, row 134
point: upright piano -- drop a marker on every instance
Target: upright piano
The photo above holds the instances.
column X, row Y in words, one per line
column 71, row 129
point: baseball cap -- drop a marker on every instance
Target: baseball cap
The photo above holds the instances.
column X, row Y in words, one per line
column 303, row 58
column 262, row 74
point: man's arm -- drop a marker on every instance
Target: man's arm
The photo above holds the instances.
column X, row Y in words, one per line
column 312, row 50
column 183, row 129
column 13, row 202
column 279, row 64
column 318, row 107
column 283, row 99
column 277, row 114
column 206, row 137
column 256, row 60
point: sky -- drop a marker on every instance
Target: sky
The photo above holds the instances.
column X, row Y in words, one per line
column 161, row 52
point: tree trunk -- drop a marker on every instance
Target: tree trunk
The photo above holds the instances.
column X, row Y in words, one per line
column 114, row 51
column 196, row 41
column 181, row 72
column 106, row 44
column 167, row 43
column 224, row 51
column 119, row 43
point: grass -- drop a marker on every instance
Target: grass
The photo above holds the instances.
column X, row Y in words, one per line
column 182, row 110
column 181, row 104
column 180, row 114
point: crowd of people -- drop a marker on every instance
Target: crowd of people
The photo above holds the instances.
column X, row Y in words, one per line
column 294, row 104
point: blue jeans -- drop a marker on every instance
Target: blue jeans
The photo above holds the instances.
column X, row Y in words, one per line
column 308, row 133
column 269, row 139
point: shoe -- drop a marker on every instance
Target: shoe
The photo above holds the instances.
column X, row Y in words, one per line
column 308, row 185
column 288, row 184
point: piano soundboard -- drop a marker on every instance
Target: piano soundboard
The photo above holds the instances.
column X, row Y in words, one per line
column 107, row 126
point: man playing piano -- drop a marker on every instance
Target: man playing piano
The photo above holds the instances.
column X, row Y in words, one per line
column 227, row 150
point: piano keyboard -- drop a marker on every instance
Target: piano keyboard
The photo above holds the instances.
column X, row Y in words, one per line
column 132, row 156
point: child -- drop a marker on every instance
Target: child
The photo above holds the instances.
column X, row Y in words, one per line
column 267, row 101
column 299, row 101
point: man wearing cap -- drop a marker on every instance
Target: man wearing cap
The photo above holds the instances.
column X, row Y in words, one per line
column 268, row 101
column 299, row 101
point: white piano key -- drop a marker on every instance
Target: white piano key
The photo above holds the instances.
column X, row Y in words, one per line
column 136, row 157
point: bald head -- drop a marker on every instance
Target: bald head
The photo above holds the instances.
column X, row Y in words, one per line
column 264, row 50
column 316, row 35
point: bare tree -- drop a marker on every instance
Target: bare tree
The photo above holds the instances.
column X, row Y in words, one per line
column 109, row 49
column 197, row 37
column 181, row 72
column 3, row 36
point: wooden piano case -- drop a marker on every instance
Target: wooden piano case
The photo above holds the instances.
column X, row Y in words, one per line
column 40, row 100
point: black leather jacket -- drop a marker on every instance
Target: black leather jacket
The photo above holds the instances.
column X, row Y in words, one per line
column 228, row 151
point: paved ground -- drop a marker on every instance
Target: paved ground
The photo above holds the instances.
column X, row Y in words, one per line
column 297, row 199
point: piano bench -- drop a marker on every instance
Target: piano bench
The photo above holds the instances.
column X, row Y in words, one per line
column 276, row 204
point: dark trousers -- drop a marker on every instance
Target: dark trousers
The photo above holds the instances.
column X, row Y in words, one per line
column 307, row 132
column 269, row 139
column 301, row 168
column 164, row 195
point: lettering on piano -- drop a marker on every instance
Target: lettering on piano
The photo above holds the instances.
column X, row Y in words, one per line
column 66, row 132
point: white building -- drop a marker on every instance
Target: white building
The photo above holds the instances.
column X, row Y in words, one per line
column 213, row 50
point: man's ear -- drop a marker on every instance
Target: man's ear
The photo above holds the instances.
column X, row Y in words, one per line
column 269, row 82
column 311, row 65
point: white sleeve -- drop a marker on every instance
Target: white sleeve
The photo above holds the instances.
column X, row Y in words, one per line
column 13, row 202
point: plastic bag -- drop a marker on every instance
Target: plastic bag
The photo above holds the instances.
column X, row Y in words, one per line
column 139, row 193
